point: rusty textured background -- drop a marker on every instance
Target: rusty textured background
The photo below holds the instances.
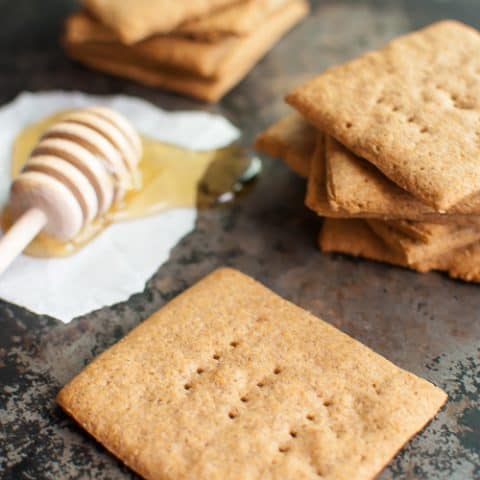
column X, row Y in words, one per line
column 425, row 323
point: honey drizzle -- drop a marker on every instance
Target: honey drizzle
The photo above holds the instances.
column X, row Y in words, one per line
column 171, row 177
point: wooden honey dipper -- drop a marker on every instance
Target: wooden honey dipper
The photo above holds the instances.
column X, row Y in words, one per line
column 80, row 167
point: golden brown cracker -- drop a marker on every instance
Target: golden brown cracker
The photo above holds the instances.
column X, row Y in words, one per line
column 86, row 36
column 410, row 108
column 229, row 380
column 291, row 139
column 238, row 19
column 355, row 185
column 240, row 59
column 354, row 237
column 464, row 263
column 422, row 231
column 415, row 250
column 81, row 27
column 318, row 199
column 134, row 20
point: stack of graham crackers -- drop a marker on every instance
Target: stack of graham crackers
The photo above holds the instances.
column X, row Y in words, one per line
column 201, row 48
column 390, row 143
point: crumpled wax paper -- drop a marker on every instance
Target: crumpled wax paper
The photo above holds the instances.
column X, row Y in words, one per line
column 119, row 261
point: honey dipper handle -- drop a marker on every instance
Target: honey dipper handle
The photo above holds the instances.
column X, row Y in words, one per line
column 22, row 232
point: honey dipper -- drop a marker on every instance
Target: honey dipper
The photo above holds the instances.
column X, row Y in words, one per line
column 80, row 167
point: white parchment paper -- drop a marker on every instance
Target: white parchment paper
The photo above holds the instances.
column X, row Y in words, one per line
column 118, row 262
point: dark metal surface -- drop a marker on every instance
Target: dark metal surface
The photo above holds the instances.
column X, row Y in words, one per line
column 425, row 323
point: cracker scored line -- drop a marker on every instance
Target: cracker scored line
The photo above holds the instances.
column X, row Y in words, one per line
column 230, row 381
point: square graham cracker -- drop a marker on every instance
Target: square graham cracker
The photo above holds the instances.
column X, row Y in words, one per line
column 447, row 238
column 411, row 108
column 303, row 148
column 230, row 381
column 188, row 52
column 318, row 200
column 464, row 263
column 134, row 20
column 423, row 231
column 355, row 185
column 242, row 55
column 292, row 139
column 238, row 19
column 335, row 171
column 85, row 34
column 354, row 237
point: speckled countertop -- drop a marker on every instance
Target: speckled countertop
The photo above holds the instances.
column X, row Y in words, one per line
column 425, row 323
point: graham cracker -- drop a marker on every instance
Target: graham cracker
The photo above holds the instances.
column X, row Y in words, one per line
column 292, row 139
column 238, row 20
column 354, row 237
column 464, row 264
column 410, row 108
column 231, row 381
column 86, row 35
column 241, row 58
column 355, row 185
column 414, row 250
column 422, row 231
column 134, row 20
column 317, row 198
column 81, row 27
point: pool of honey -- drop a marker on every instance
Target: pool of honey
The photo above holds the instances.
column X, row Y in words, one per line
column 170, row 177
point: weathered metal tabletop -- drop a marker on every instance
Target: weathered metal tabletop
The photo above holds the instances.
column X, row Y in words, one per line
column 425, row 323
